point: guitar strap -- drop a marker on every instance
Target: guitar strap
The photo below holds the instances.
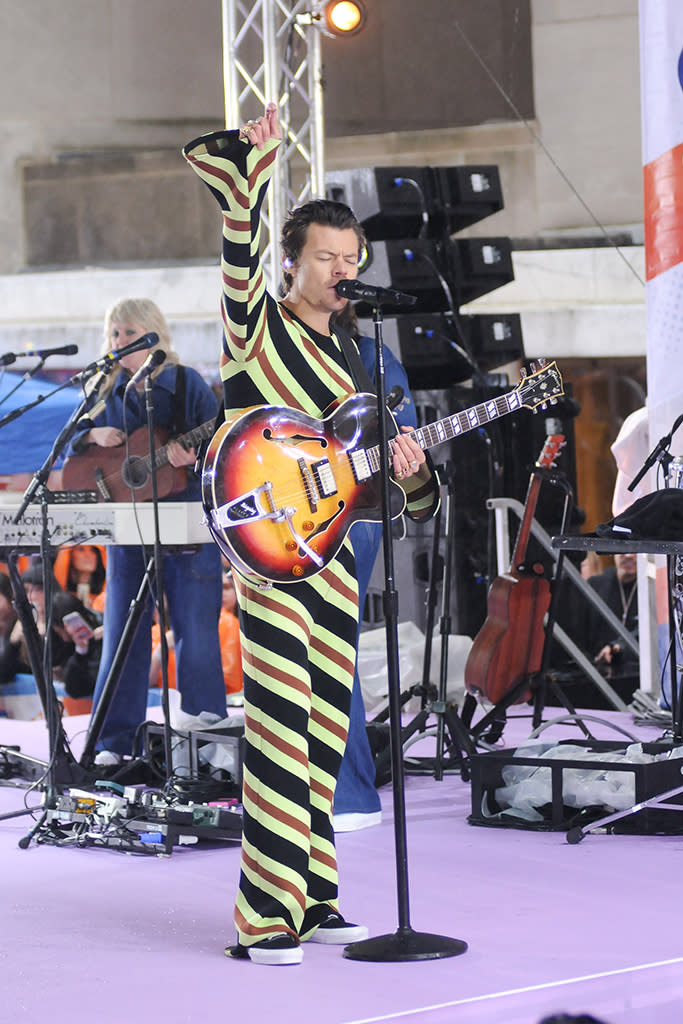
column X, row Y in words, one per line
column 179, row 425
column 354, row 362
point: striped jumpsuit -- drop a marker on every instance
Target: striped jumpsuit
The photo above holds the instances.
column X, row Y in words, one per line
column 298, row 639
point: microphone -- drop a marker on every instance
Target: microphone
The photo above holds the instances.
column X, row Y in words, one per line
column 43, row 353
column 354, row 289
column 8, row 359
column 150, row 364
column 106, row 362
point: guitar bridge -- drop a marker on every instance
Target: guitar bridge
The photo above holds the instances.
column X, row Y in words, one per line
column 309, row 484
column 101, row 485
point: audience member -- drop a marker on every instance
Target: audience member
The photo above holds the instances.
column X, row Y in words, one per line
column 81, row 570
column 229, row 636
column 618, row 587
column 8, row 617
column 80, row 632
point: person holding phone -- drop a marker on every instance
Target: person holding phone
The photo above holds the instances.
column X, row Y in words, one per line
column 76, row 646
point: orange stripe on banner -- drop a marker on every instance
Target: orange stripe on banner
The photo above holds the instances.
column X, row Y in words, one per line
column 663, row 197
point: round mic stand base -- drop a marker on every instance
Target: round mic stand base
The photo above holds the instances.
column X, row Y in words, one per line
column 404, row 944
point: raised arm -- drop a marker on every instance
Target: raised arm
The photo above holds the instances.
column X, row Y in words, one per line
column 235, row 165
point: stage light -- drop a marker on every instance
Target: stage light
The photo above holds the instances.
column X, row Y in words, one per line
column 344, row 17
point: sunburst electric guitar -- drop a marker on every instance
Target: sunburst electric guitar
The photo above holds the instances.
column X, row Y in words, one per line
column 282, row 489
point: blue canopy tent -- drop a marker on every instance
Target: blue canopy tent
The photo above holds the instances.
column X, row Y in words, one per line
column 26, row 441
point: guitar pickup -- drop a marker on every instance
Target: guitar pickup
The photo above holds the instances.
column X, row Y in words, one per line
column 324, row 478
column 360, row 465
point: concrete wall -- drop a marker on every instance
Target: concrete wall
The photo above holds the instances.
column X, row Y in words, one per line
column 587, row 94
column 96, row 100
column 101, row 77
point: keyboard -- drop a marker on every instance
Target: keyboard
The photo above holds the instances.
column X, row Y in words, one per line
column 105, row 523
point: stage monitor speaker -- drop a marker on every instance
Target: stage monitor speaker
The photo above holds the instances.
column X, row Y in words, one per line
column 412, row 202
column 441, row 349
column 390, row 202
column 408, row 265
column 468, row 194
column 479, row 266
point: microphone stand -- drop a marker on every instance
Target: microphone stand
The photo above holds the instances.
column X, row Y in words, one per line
column 62, row 769
column 68, row 430
column 24, row 377
column 20, row 410
column 660, row 453
column 403, row 944
column 159, row 581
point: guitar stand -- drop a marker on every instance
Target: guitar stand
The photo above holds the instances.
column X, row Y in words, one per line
column 490, row 727
column 454, row 742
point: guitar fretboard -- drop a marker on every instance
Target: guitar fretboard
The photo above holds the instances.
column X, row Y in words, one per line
column 457, row 424
column 189, row 440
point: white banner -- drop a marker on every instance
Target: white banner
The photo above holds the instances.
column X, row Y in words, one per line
column 661, row 73
column 661, row 58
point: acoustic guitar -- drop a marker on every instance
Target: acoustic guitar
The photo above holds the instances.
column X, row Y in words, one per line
column 282, row 489
column 112, row 474
column 509, row 646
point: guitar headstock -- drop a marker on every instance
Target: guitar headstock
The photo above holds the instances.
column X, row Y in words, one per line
column 554, row 443
column 542, row 387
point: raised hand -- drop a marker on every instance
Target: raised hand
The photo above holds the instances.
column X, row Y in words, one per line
column 260, row 131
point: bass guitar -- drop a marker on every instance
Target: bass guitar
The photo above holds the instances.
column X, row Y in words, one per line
column 282, row 488
column 112, row 476
column 509, row 646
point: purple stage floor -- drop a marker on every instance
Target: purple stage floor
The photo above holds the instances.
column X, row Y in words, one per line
column 94, row 935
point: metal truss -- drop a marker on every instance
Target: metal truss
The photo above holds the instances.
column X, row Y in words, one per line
column 271, row 51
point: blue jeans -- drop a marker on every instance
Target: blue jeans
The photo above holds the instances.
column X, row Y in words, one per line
column 193, row 588
column 356, row 792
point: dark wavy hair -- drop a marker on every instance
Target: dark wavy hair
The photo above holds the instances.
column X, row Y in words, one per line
column 327, row 212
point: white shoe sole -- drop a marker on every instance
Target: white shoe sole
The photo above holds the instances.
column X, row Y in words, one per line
column 276, row 957
column 340, row 936
column 353, row 822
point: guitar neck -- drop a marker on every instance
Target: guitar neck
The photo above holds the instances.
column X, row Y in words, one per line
column 462, row 422
column 522, row 542
column 189, row 440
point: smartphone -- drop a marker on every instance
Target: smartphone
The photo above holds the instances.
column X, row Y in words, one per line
column 76, row 622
